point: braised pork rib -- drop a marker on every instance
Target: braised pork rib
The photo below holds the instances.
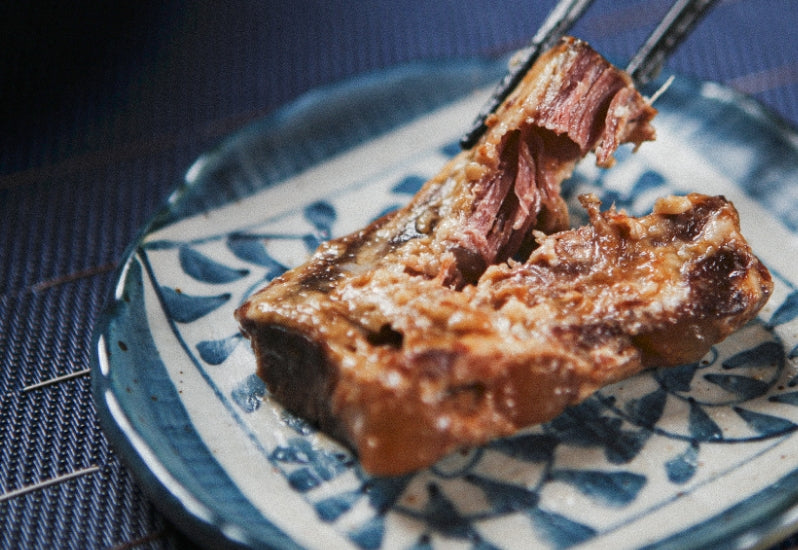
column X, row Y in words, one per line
column 474, row 312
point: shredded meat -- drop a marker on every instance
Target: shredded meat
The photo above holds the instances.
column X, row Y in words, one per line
column 436, row 328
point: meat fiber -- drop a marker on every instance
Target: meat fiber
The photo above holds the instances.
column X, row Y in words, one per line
column 427, row 331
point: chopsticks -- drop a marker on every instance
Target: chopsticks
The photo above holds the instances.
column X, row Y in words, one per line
column 674, row 27
column 644, row 66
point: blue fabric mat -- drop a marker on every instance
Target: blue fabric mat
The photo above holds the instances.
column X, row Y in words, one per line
column 102, row 109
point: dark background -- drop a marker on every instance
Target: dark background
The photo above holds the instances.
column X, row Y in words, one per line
column 104, row 106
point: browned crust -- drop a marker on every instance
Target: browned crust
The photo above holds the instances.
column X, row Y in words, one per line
column 416, row 336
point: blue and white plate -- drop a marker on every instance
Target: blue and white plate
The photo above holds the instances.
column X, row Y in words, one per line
column 690, row 456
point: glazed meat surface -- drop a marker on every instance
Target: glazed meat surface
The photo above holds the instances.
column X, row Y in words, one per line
column 427, row 331
column 441, row 368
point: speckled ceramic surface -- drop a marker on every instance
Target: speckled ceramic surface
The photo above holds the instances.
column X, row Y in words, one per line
column 685, row 457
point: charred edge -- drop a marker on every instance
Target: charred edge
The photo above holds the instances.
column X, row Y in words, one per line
column 716, row 284
column 298, row 374
column 386, row 336
column 322, row 279
column 688, row 225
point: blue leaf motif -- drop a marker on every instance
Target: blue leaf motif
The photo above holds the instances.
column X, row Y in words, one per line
column 560, row 531
column 298, row 451
column 204, row 269
column 787, row 311
column 677, row 379
column 322, row 215
column 409, row 185
column 625, row 446
column 765, row 424
column 647, row 410
column 585, row 425
column 161, row 245
column 369, row 535
column 249, row 394
column 611, row 488
column 746, row 388
column 443, row 515
column 311, row 242
column 330, row 509
column 319, row 465
column 252, row 249
column 383, row 492
column 304, row 479
column 766, row 354
column 505, row 497
column 528, row 447
column 788, row 398
column 648, row 180
column 185, row 308
column 216, row 352
column 702, row 427
column 451, row 149
column 681, row 468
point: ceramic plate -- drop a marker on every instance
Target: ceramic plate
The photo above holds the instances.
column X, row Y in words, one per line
column 690, row 456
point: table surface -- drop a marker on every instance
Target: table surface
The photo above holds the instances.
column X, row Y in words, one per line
column 102, row 111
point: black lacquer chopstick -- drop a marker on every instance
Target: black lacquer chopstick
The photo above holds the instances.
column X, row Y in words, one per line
column 671, row 31
column 644, row 66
